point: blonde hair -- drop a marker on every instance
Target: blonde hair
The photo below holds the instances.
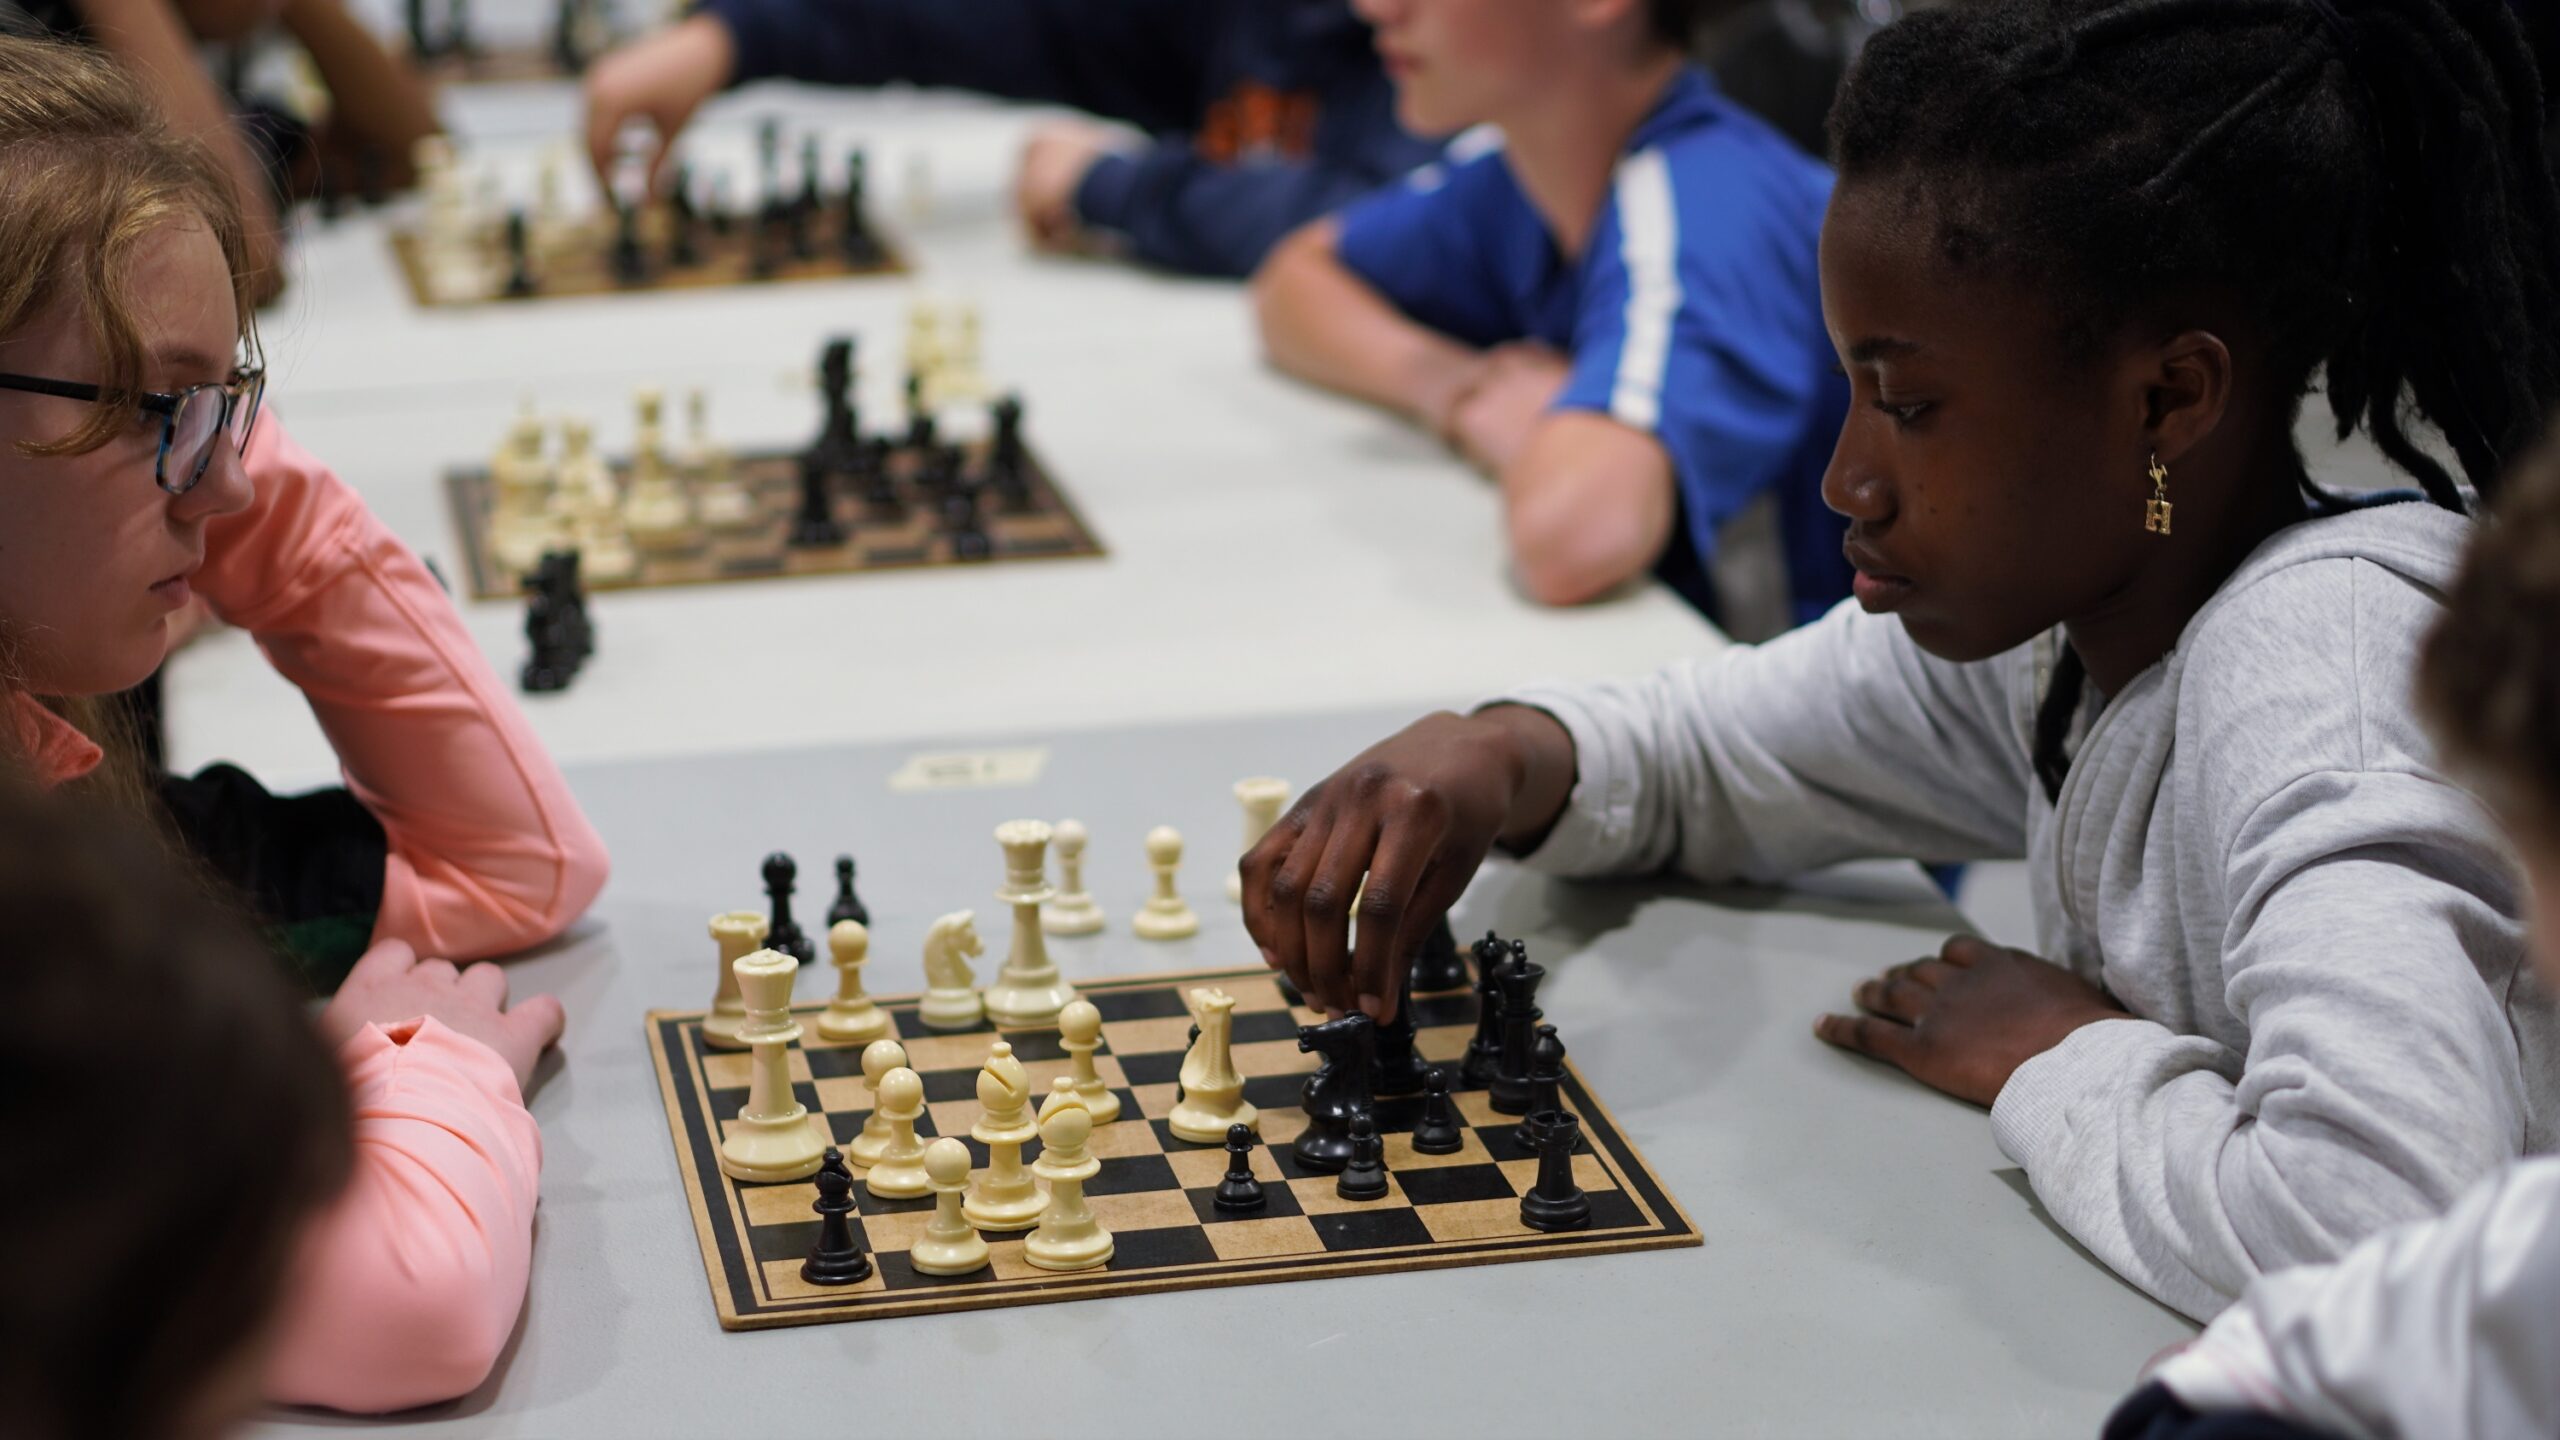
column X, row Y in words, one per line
column 88, row 171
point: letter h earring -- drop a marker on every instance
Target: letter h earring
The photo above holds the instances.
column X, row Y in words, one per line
column 2155, row 511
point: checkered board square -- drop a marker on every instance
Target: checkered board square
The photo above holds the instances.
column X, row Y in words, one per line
column 1153, row 1191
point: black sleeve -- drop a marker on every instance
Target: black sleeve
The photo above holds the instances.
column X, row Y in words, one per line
column 310, row 866
column 2154, row 1413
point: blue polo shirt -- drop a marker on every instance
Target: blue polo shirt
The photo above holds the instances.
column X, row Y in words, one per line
column 1694, row 314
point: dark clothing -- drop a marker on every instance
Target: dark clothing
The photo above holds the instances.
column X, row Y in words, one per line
column 2153, row 1413
column 1265, row 113
column 310, row 866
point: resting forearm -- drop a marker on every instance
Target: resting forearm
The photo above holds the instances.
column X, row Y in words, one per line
column 1322, row 324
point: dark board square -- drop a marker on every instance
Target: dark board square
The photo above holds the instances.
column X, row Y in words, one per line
column 1449, row 1184
column 1455, row 1008
column 725, row 1104
column 1397, row 1116
column 836, row 1063
column 1502, row 1140
column 871, row 1204
column 1151, row 1003
column 1611, row 1209
column 1131, row 1175
column 896, row 1273
column 1160, row 1068
column 1033, row 1046
column 1275, row 1092
column 1277, row 1201
column 844, row 1127
column 1154, row 1249
column 787, row 1242
column 942, row 1085
column 895, row 555
column 1265, row 1025
column 911, row 1026
column 1371, row 1229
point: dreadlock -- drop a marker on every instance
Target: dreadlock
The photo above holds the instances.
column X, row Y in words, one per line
column 2371, row 174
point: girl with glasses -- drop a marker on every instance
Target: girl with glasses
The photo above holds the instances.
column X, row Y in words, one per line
column 138, row 472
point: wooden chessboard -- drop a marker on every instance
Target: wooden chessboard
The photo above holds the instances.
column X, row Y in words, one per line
column 1153, row 1191
column 1048, row 528
column 581, row 262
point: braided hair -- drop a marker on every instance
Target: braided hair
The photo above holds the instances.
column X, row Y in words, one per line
column 2370, row 174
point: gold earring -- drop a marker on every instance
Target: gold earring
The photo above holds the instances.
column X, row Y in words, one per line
column 2155, row 511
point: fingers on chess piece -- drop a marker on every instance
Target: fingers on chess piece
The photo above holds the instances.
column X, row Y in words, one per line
column 1239, row 1191
column 1365, row 1177
column 1438, row 1132
column 1557, row 1201
column 1399, row 1069
column 951, row 1245
column 1437, row 966
column 1166, row 916
column 837, row 1258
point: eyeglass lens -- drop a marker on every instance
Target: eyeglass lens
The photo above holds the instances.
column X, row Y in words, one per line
column 199, row 419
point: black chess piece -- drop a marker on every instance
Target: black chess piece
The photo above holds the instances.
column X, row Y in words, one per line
column 1239, row 1190
column 1437, row 1132
column 683, row 222
column 814, row 525
column 879, row 487
column 960, row 521
column 837, row 1258
column 1288, row 990
column 1337, row 1091
column 781, row 874
column 839, row 444
column 1436, row 966
column 1555, row 1202
column 422, row 44
column 1004, row 454
column 848, row 905
column 1365, row 1177
column 1398, row 1071
column 1512, row 1092
column 569, row 595
column 859, row 247
column 919, row 419
column 806, row 205
column 1546, row 1071
column 1486, row 1048
column 630, row 262
column 519, row 263
column 548, row 669
column 768, row 164
column 1188, row 1041
column 722, row 216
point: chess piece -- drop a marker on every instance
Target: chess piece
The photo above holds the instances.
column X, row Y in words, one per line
column 856, row 245
column 956, row 376
column 950, row 1246
column 1212, row 1091
column 630, row 262
column 1485, row 1049
column 659, row 513
column 899, row 1172
column 1546, row 1072
column 1437, row 1132
column 969, row 539
column 449, row 248
column 851, row 1017
column 1165, row 917
column 1556, row 1202
column 836, row 1259
column 1337, row 1091
column 549, row 628
column 951, row 1000
column 773, row 1139
column 781, row 875
column 1028, row 990
column 1005, row 468
column 550, row 231
column 806, row 205
column 847, row 906
column 840, row 434
column 723, row 502
column 519, row 263
column 878, row 1059
column 521, row 525
column 1068, row 1237
column 814, row 525
column 1436, row 966
column 577, row 632
column 1511, row 1091
column 1074, row 911
column 1238, row 1190
column 591, row 503
column 1262, row 799
column 684, row 251
column 739, row 933
column 1080, row 1034
column 1399, row 1069
column 1006, row 1197
column 879, row 487
column 1365, row 1176
column 924, row 355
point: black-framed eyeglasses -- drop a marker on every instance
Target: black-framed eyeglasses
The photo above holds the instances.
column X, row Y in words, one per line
column 189, row 418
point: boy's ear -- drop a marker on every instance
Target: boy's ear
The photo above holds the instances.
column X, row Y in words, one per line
column 2186, row 389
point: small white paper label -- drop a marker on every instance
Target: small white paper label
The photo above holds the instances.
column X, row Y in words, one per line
column 971, row 769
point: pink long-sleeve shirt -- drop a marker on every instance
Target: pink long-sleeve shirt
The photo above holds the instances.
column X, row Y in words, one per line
column 407, row 1289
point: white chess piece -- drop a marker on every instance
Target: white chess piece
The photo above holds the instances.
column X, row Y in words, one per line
column 739, row 934
column 549, row 232
column 450, row 251
column 774, row 1137
column 924, row 349
column 1212, row 1091
column 851, row 1017
column 521, row 523
column 951, row 1246
column 1028, row 990
column 1007, row 1197
column 899, row 1172
column 951, row 988
column 1262, row 799
column 878, row 1059
column 1068, row 1237
column 594, row 506
column 956, row 376
column 1074, row 911
column 725, row 504
column 1165, row 917
column 659, row 513
column 1080, row 1034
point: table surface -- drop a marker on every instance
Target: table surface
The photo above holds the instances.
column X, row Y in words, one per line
column 1872, row 1265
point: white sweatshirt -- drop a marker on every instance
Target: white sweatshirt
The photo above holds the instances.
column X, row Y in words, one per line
column 2439, row 1330
column 2336, row 1030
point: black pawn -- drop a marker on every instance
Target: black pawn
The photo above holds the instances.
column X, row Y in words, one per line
column 879, row 487
column 1437, row 966
column 859, row 248
column 1555, row 1202
column 848, row 905
column 1437, row 1133
column 1365, row 1178
column 1486, row 1048
column 550, row 668
column 1399, row 1070
column 839, row 442
column 1512, row 1092
column 919, row 421
column 780, row 875
column 1004, row 455
column 1239, row 1190
column 683, row 222
column 837, row 1258
column 960, row 521
column 814, row 526
column 519, row 263
column 630, row 263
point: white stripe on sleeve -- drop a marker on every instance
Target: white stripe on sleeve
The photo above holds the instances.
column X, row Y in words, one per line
column 1649, row 247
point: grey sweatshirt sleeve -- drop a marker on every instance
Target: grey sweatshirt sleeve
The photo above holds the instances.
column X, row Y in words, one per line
column 2443, row 1328
column 1837, row 741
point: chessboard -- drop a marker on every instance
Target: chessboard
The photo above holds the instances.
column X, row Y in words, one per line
column 910, row 534
column 744, row 250
column 1153, row 1191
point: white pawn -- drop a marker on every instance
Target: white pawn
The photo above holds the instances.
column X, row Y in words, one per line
column 774, row 1137
column 1212, row 1091
column 594, row 506
column 659, row 513
column 1261, row 798
column 739, row 933
column 1165, row 917
column 899, row 1172
column 950, row 1246
column 951, row 999
column 1069, row 1237
column 724, row 503
column 1080, row 1032
column 1006, row 1197
column 851, row 1017
column 1074, row 911
column 878, row 1059
column 521, row 526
